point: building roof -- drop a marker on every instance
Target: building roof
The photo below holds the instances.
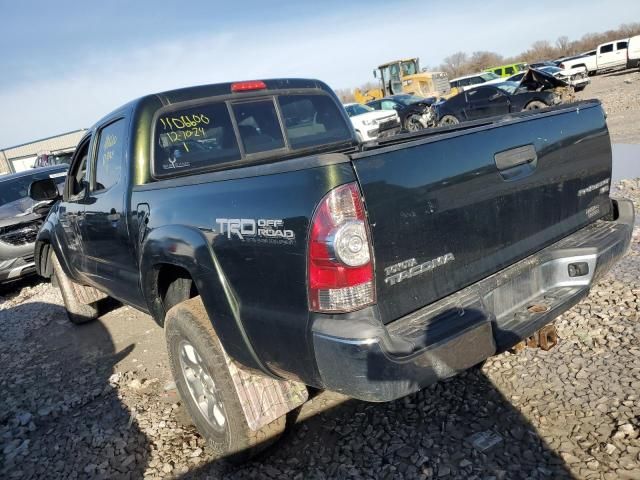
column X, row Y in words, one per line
column 50, row 144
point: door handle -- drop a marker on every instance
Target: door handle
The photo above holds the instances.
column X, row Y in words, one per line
column 516, row 156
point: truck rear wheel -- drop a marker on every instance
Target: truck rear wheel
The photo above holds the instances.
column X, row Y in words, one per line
column 79, row 301
column 206, row 387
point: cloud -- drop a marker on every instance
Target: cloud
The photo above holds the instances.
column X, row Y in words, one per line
column 341, row 49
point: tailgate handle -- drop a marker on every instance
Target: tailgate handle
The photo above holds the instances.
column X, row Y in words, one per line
column 516, row 156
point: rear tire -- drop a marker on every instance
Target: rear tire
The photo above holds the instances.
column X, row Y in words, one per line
column 79, row 309
column 535, row 105
column 448, row 120
column 202, row 377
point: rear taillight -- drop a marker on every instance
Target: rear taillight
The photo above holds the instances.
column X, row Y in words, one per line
column 340, row 254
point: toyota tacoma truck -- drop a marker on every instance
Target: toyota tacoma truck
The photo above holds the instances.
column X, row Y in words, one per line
column 279, row 253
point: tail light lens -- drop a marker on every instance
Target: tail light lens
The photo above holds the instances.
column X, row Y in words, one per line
column 340, row 254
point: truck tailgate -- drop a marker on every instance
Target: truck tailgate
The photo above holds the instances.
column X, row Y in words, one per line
column 449, row 209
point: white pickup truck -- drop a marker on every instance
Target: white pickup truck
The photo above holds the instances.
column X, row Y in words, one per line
column 620, row 53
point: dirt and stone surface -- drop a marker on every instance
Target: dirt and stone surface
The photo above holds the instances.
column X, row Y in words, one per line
column 97, row 401
column 620, row 96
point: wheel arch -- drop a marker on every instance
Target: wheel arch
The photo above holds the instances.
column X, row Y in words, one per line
column 177, row 263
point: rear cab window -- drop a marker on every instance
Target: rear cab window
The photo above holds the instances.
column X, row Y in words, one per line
column 222, row 133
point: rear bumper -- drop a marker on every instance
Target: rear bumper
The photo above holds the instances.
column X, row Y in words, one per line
column 359, row 356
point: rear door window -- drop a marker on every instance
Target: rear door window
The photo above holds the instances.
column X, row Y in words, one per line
column 194, row 138
column 109, row 159
column 622, row 45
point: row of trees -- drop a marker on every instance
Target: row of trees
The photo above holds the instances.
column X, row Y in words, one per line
column 462, row 63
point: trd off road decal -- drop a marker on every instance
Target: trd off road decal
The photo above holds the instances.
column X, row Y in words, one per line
column 261, row 229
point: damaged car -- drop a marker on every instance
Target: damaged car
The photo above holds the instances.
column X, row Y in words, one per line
column 21, row 218
column 535, row 90
column 577, row 77
column 415, row 112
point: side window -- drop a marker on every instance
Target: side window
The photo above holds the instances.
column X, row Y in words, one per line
column 606, row 48
column 498, row 71
column 258, row 126
column 480, row 94
column 509, row 71
column 109, row 157
column 475, row 80
column 77, row 178
column 622, row 45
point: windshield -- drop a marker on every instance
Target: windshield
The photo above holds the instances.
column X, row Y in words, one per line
column 487, row 76
column 356, row 109
column 18, row 188
column 407, row 99
column 508, row 87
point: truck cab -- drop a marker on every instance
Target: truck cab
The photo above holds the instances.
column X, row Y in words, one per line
column 612, row 54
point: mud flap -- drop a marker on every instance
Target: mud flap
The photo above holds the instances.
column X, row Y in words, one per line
column 264, row 399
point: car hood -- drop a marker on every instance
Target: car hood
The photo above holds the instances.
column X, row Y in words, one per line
column 426, row 102
column 17, row 208
column 375, row 115
column 539, row 80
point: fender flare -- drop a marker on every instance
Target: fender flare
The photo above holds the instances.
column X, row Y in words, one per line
column 46, row 241
column 187, row 247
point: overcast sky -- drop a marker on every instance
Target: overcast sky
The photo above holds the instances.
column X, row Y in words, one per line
column 65, row 64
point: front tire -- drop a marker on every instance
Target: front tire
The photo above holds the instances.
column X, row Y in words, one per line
column 413, row 123
column 202, row 377
column 77, row 299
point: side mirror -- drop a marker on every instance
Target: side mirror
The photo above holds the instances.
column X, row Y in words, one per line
column 45, row 189
column 375, row 74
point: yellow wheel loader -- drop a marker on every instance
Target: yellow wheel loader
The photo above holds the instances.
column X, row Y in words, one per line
column 404, row 76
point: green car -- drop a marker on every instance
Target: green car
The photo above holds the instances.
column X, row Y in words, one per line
column 507, row 70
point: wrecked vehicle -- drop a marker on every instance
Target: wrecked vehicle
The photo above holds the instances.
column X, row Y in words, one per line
column 279, row 253
column 21, row 218
column 577, row 77
column 535, row 90
column 415, row 112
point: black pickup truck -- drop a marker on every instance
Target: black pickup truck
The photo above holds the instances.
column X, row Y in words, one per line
column 278, row 253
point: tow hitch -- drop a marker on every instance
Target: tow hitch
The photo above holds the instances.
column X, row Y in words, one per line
column 546, row 338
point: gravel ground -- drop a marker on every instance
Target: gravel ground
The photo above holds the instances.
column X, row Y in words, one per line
column 620, row 95
column 97, row 402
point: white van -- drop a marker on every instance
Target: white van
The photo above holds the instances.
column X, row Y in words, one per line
column 633, row 52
